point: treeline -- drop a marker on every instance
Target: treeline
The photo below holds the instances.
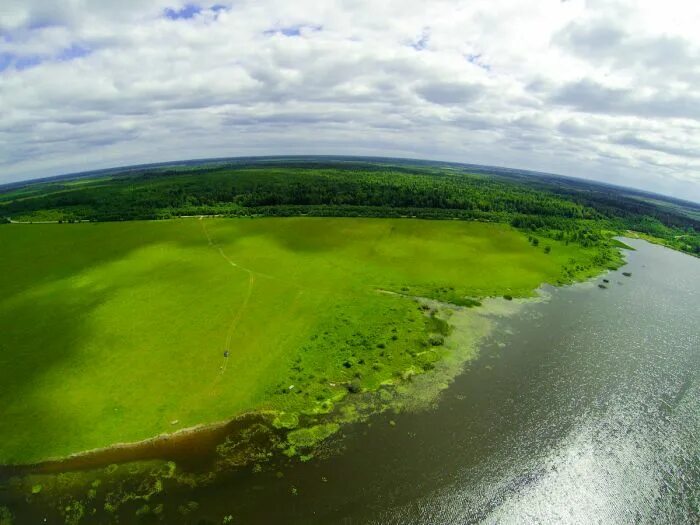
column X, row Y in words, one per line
column 563, row 209
column 145, row 195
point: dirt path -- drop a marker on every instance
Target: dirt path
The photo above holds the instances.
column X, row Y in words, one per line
column 236, row 319
column 241, row 309
column 235, row 264
column 252, row 274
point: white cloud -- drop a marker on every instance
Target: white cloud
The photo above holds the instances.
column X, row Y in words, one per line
column 607, row 90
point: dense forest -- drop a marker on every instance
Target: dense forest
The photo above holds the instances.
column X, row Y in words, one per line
column 551, row 206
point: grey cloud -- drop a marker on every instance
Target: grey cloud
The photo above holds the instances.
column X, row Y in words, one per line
column 576, row 128
column 594, row 39
column 592, row 97
column 632, row 139
column 449, row 92
column 285, row 119
column 476, row 122
column 605, row 40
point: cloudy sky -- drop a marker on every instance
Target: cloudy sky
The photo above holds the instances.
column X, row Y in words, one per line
column 608, row 90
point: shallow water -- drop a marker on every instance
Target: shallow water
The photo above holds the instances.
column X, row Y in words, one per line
column 582, row 408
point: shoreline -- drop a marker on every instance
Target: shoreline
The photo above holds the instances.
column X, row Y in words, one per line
column 173, row 445
column 170, row 445
column 146, row 449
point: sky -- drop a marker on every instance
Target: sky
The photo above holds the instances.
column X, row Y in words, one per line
column 607, row 90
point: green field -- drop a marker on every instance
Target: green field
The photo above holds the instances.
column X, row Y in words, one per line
column 115, row 332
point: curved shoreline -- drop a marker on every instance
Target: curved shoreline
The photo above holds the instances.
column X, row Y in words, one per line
column 176, row 446
column 185, row 444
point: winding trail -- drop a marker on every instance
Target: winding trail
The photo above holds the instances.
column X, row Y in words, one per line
column 235, row 264
column 252, row 274
column 236, row 319
column 244, row 305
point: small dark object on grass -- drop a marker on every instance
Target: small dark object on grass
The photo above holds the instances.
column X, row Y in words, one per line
column 602, row 286
column 347, row 364
column 508, row 297
column 226, row 353
column 606, row 280
column 354, row 387
column 627, row 274
column 436, row 340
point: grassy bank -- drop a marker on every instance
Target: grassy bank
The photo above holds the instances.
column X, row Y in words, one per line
column 116, row 332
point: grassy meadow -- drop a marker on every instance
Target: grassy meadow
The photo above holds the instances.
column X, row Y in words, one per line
column 116, row 332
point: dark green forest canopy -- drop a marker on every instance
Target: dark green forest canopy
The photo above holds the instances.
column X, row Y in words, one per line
column 550, row 206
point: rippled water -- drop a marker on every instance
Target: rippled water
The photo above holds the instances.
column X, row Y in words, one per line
column 583, row 408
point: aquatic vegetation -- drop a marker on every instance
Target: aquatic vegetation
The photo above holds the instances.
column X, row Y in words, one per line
column 5, row 516
column 188, row 507
column 306, row 438
column 286, row 420
column 253, row 444
column 73, row 512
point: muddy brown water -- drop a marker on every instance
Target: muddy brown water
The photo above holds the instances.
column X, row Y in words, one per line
column 581, row 409
column 189, row 447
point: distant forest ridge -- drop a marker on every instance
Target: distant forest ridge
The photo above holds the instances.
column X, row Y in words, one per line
column 357, row 160
column 550, row 205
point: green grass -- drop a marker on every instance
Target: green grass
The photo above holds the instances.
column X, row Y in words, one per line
column 111, row 332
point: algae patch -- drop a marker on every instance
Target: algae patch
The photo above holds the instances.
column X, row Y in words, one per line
column 5, row 516
column 288, row 420
column 306, row 438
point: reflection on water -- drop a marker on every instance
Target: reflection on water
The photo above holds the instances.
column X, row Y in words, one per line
column 582, row 408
